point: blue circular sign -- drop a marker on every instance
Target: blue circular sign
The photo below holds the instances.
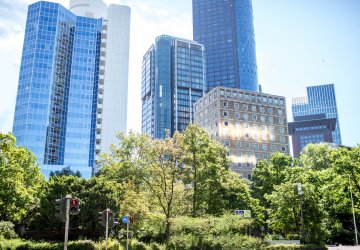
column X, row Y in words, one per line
column 125, row 219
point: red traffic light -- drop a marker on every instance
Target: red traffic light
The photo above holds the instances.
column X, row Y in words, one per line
column 73, row 202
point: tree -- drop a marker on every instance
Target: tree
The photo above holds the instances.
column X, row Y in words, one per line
column 66, row 171
column 205, row 162
column 21, row 182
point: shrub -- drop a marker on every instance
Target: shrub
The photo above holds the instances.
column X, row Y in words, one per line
column 7, row 230
column 82, row 245
column 156, row 246
column 295, row 247
column 138, row 245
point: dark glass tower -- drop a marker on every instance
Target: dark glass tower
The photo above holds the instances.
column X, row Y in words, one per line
column 56, row 105
column 173, row 79
column 226, row 29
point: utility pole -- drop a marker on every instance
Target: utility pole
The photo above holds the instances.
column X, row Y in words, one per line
column 353, row 212
column 67, row 197
column 300, row 192
column 107, row 227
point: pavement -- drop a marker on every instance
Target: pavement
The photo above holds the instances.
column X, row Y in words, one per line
column 344, row 247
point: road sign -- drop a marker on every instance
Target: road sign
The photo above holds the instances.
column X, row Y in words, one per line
column 125, row 219
column 243, row 213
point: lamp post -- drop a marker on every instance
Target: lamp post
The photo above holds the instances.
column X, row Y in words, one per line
column 353, row 212
column 300, row 192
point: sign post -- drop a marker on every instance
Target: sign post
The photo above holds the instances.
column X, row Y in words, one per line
column 126, row 221
column 66, row 238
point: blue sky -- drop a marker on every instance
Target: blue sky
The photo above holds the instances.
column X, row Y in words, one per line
column 299, row 43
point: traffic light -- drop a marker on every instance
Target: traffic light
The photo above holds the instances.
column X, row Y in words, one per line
column 60, row 208
column 102, row 218
column 74, row 206
column 111, row 219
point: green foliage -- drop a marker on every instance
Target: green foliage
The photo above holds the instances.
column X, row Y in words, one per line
column 295, row 247
column 137, row 245
column 21, row 182
column 7, row 230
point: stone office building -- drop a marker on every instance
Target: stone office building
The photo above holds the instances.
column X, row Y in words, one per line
column 251, row 125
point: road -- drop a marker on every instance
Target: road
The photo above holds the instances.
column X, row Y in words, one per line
column 344, row 248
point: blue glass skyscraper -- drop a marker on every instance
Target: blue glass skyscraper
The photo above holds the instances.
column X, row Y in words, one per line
column 226, row 29
column 320, row 100
column 55, row 114
column 173, row 79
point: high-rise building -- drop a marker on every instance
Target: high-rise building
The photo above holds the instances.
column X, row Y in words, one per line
column 251, row 125
column 226, row 29
column 310, row 129
column 173, row 79
column 320, row 100
column 73, row 72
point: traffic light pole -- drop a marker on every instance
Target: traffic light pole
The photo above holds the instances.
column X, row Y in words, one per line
column 107, row 227
column 127, row 235
column 67, row 197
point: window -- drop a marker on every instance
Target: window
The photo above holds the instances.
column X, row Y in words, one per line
column 237, row 124
column 228, row 94
column 248, row 155
column 265, row 147
column 254, row 117
column 226, row 132
column 247, row 144
column 272, row 137
column 281, row 121
column 264, row 137
column 257, row 156
column 246, row 117
column 282, row 130
column 280, row 112
column 263, row 127
column 226, row 123
column 253, row 108
column 239, row 164
column 238, row 144
column 236, row 105
column 281, row 102
column 246, row 125
column 262, row 118
column 237, row 115
column 245, row 107
column 271, row 128
column 247, row 135
column 238, row 134
column 273, row 148
column 255, row 127
column 271, row 119
column 283, row 149
column 235, row 94
column 262, row 109
column 226, row 114
column 249, row 176
column 225, row 104
column 256, row 146
column 248, row 164
column 222, row 93
column 239, row 154
column 266, row 156
column 227, row 143
column 282, row 139
column 256, row 137
column 270, row 110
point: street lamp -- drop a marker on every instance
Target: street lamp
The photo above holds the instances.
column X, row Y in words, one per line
column 300, row 192
column 353, row 211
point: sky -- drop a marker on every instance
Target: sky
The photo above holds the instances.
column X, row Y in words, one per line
column 299, row 43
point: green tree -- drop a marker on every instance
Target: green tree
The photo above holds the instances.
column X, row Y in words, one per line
column 204, row 162
column 21, row 182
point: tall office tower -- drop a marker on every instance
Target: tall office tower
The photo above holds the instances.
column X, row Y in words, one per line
column 226, row 29
column 65, row 88
column 320, row 100
column 310, row 129
column 251, row 125
column 173, row 79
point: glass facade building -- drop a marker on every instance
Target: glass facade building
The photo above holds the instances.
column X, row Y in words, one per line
column 226, row 29
column 173, row 79
column 55, row 114
column 320, row 100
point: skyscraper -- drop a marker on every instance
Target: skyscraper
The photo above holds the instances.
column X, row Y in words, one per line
column 320, row 100
column 226, row 29
column 64, row 84
column 173, row 79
